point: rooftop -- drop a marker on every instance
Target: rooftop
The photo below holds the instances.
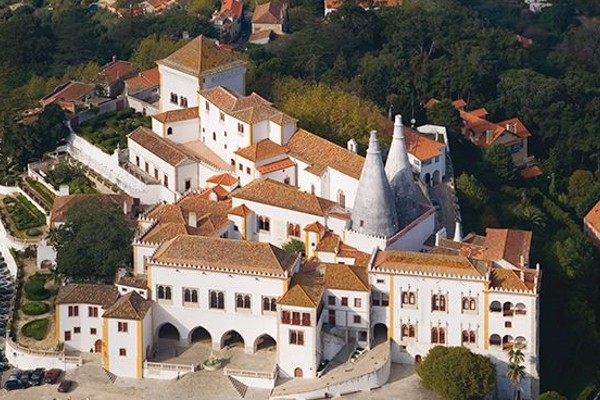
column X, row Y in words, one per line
column 425, row 263
column 262, row 150
column 164, row 149
column 68, row 92
column 117, row 70
column 242, row 256
column 592, row 218
column 145, row 80
column 306, row 290
column 138, row 282
column 269, row 13
column 130, row 306
column 421, row 146
column 183, row 114
column 87, row 293
column 346, row 277
column 62, row 204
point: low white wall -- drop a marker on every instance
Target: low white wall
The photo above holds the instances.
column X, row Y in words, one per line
column 45, row 252
column 262, row 383
column 23, row 358
column 140, row 105
column 166, row 371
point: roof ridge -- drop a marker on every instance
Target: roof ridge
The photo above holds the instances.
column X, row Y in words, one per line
column 306, row 295
column 357, row 277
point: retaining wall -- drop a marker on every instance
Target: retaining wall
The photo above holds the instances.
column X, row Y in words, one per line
column 24, row 358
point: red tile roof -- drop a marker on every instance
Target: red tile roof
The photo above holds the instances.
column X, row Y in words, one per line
column 421, row 146
column 530, row 172
column 269, row 13
column 71, row 91
column 223, row 179
column 145, row 80
column 118, row 70
column 276, row 166
column 183, row 114
column 592, row 218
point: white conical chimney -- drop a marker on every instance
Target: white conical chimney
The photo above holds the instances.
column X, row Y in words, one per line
column 458, row 235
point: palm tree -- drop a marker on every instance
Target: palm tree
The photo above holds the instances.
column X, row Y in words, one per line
column 516, row 356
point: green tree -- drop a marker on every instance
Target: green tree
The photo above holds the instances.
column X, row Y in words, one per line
column 551, row 396
column 472, row 191
column 94, row 241
column 499, row 164
column 455, row 373
column 151, row 49
column 293, row 246
column 76, row 36
column 445, row 114
column 203, row 7
column 88, row 72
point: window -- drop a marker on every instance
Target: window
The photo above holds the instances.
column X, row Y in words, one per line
column 341, row 199
column 495, row 306
column 183, row 101
column 468, row 337
column 137, row 160
column 331, row 317
column 243, row 301
column 240, row 166
column 77, row 329
column 285, row 317
column 331, row 300
column 469, row 304
column 248, row 170
column 312, row 189
column 297, row 337
column 67, row 336
column 269, row 304
column 92, row 311
column 295, row 318
column 357, row 303
column 206, row 106
column 163, row 292
column 264, row 223
column 122, row 326
column 92, row 331
column 240, row 128
column 305, row 319
column 169, row 131
column 508, row 324
column 287, row 180
column 233, row 162
column 155, row 173
column 380, row 299
column 188, row 184
column 73, row 311
column 174, row 98
column 357, row 319
column 216, row 299
column 190, row 295
column 380, row 281
column 438, row 335
column 408, row 331
column 294, row 230
column 166, row 180
column 438, row 302
column 344, row 301
column 123, row 352
column 221, row 117
column 408, row 298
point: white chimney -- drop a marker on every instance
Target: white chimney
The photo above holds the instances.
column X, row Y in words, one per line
column 511, row 128
column 352, row 146
column 125, row 207
column 63, row 190
column 489, row 134
column 192, row 220
column 458, row 232
column 439, row 235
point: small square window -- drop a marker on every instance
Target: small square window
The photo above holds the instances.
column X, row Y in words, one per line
column 77, row 329
column 92, row 331
column 248, row 170
column 357, row 319
column 344, row 301
column 508, row 324
column 123, row 352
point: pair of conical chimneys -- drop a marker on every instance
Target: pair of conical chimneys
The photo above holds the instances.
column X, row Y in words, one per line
column 386, row 197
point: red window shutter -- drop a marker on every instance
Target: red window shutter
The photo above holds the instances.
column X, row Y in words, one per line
column 285, row 317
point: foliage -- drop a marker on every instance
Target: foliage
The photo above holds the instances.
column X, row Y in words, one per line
column 203, row 7
column 36, row 329
column 42, row 190
column 35, row 288
column 551, row 396
column 499, row 164
column 293, row 246
column 455, row 373
column 35, row 308
column 153, row 48
column 65, row 174
column 94, row 241
column 445, row 114
column 24, row 214
column 110, row 130
column 471, row 191
column 88, row 72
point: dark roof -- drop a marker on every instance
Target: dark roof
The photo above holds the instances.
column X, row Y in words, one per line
column 130, row 306
column 87, row 293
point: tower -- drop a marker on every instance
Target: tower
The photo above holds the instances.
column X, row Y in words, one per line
column 374, row 212
column 400, row 176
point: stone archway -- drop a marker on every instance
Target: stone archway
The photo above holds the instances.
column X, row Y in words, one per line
column 437, row 177
column 200, row 335
column 298, row 373
column 380, row 333
column 231, row 339
column 168, row 331
column 98, row 346
column 265, row 343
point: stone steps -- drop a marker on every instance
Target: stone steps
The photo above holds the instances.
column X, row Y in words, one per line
column 238, row 386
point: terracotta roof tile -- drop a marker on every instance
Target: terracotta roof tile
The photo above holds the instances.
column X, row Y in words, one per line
column 62, row 204
column 262, row 150
column 241, row 211
column 164, row 149
column 200, row 56
column 507, row 244
column 428, row 263
column 306, row 290
column 276, row 194
column 260, row 35
column 321, row 153
column 87, row 293
column 131, row 306
column 532, row 171
column 118, row 70
column 223, row 179
column 70, row 92
column 229, row 8
column 183, row 114
column 592, row 218
column 346, row 277
column 145, row 80
column 217, row 193
column 508, row 279
column 269, row 13
column 242, row 256
column 138, row 282
column 276, row 166
column 421, row 146
column 329, row 243
column 315, row 227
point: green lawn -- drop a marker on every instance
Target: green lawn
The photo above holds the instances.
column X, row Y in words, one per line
column 109, row 130
column 34, row 288
column 36, row 329
column 21, row 215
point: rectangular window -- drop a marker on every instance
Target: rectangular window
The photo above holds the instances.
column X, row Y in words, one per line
column 122, row 352
column 248, row 170
column 155, row 173
column 357, row 319
column 188, row 184
column 77, row 329
column 233, row 162
column 137, row 160
column 147, row 167
column 93, row 312
column 122, row 326
column 331, row 319
column 206, row 106
column 357, row 302
column 166, row 180
column 240, row 167
column 297, row 337
column 344, row 301
column 221, row 116
column 240, row 128
column 67, row 336
column 295, row 318
column 285, row 317
column 331, row 300
column 92, row 331
column 305, row 319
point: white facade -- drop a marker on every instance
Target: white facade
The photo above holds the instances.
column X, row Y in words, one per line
column 302, row 356
column 80, row 326
column 129, row 343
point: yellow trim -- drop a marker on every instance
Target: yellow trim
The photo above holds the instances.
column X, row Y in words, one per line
column 486, row 316
column 149, row 280
column 244, row 230
column 161, row 87
column 391, row 305
column 140, row 373
column 57, row 322
column 251, row 135
column 134, row 260
column 105, row 357
column 285, row 286
column 306, row 241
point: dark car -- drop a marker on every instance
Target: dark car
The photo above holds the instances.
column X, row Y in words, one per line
column 52, row 375
column 65, row 386
column 26, row 376
column 3, row 366
column 12, row 384
column 37, row 377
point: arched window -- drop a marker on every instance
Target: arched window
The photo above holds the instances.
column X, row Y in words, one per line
column 297, row 230
column 442, row 303
column 472, row 337
column 465, row 303
column 495, row 340
column 404, row 330
column 220, row 300
column 520, row 309
column 341, row 198
column 412, row 299
column 187, row 296
column 465, row 336
column 435, row 335
column 273, row 304
column 404, row 297
column 472, row 305
column 266, row 304
column 434, row 302
column 161, row 292
column 495, row 306
column 507, row 309
column 264, row 224
column 411, row 331
column 507, row 342
column 194, row 296
column 520, row 342
column 168, row 293
column 213, row 299
column 239, row 301
column 442, row 336
column 247, row 301
column 438, row 302
column 169, row 131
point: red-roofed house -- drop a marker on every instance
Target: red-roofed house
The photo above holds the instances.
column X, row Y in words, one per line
column 113, row 74
column 591, row 224
column 228, row 20
column 143, row 91
column 268, row 21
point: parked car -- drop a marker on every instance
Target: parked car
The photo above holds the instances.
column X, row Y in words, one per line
column 37, row 377
column 4, row 366
column 15, row 373
column 12, row 384
column 65, row 386
column 52, row 375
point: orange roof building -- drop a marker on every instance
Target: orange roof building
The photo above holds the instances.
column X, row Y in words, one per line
column 591, row 224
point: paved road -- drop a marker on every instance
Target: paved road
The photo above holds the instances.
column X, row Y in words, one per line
column 446, row 216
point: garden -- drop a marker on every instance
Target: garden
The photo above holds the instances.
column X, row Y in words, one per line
column 35, row 288
column 46, row 195
column 65, row 174
column 32, row 304
column 21, row 217
column 110, row 130
column 36, row 329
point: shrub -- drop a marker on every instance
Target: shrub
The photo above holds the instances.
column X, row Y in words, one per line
column 34, row 288
column 35, row 329
column 551, row 396
column 35, row 308
column 34, row 232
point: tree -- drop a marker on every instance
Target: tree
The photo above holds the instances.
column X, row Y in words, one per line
column 551, row 396
column 471, row 190
column 88, row 72
column 445, row 114
column 151, row 49
column 500, row 164
column 94, row 241
column 455, row 373
column 203, row 7
column 293, row 246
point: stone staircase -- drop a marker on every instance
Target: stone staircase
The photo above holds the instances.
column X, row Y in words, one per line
column 238, row 386
column 111, row 377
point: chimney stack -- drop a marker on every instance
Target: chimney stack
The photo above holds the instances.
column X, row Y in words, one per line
column 458, row 232
column 63, row 190
column 125, row 207
column 192, row 220
column 352, row 145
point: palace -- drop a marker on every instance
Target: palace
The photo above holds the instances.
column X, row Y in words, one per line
column 210, row 266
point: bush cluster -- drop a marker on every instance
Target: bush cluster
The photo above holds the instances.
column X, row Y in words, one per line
column 36, row 329
column 35, row 308
column 35, row 289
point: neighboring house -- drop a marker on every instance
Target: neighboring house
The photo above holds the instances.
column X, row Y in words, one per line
column 332, row 5
column 228, row 20
column 113, row 75
column 591, row 224
column 426, row 155
column 71, row 96
column 483, row 133
column 143, row 92
column 268, row 21
column 156, row 6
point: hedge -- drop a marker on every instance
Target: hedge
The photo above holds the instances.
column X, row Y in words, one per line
column 34, row 288
column 36, row 329
column 35, row 308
